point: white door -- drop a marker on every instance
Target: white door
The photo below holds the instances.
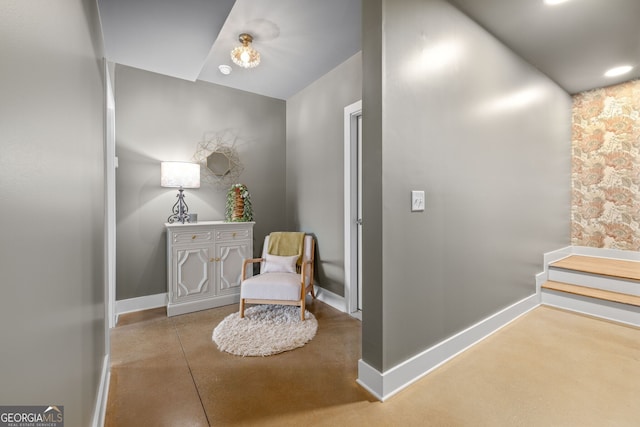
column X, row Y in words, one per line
column 353, row 207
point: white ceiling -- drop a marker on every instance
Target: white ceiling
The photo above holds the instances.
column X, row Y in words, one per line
column 573, row 43
column 164, row 36
column 298, row 40
column 301, row 40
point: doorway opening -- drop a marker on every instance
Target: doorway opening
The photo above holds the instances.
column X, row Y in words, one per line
column 353, row 208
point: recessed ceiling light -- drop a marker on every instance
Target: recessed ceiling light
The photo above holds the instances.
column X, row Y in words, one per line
column 618, row 71
column 224, row 69
column 554, row 2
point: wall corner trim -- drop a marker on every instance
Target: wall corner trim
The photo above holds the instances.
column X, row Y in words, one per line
column 100, row 409
column 386, row 384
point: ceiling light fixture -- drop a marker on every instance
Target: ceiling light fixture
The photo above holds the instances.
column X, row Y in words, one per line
column 618, row 71
column 554, row 2
column 245, row 56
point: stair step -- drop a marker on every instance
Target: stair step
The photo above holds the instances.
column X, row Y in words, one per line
column 629, row 270
column 593, row 293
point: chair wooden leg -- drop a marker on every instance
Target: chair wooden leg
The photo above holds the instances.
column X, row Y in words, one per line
column 242, row 308
column 313, row 292
column 302, row 309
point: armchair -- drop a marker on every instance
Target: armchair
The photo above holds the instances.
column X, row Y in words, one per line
column 285, row 284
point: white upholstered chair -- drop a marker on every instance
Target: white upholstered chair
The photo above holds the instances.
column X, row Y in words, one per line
column 279, row 287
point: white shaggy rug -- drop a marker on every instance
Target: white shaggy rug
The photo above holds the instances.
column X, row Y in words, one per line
column 265, row 330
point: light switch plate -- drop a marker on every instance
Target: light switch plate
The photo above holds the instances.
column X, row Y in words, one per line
column 417, row 201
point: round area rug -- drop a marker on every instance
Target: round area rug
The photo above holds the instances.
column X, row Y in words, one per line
column 265, row 330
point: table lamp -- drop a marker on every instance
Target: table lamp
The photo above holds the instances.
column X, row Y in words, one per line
column 179, row 175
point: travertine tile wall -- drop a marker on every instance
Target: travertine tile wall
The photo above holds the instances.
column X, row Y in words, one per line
column 606, row 167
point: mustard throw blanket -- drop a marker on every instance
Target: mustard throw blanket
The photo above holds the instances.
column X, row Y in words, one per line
column 286, row 244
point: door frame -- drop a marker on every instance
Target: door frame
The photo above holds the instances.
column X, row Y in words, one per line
column 111, row 163
column 351, row 114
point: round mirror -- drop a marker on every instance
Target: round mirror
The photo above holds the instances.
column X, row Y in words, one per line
column 218, row 163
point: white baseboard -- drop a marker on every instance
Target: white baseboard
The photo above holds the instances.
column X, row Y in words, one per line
column 100, row 408
column 141, row 303
column 372, row 380
column 329, row 298
column 190, row 307
column 540, row 279
column 384, row 385
column 160, row 300
column 554, row 256
column 606, row 253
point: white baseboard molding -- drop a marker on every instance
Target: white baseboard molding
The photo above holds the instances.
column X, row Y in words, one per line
column 540, row 279
column 384, row 385
column 554, row 256
column 330, row 298
column 606, row 253
column 160, row 300
column 141, row 303
column 620, row 313
column 557, row 254
column 190, row 307
column 100, row 409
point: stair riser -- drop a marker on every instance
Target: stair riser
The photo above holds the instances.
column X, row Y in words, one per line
column 617, row 312
column 595, row 281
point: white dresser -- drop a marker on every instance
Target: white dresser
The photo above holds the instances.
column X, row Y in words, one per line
column 204, row 264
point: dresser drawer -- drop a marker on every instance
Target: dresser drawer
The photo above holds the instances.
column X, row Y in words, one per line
column 233, row 234
column 191, row 236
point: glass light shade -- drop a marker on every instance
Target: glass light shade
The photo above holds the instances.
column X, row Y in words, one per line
column 245, row 56
column 180, row 174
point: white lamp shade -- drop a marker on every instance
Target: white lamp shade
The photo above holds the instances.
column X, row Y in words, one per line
column 180, row 174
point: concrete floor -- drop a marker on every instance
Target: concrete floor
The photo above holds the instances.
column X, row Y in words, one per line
column 548, row 368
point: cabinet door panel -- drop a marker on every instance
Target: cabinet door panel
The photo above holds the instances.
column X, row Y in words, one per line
column 231, row 255
column 193, row 276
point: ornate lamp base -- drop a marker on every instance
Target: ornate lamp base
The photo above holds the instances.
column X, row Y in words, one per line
column 180, row 209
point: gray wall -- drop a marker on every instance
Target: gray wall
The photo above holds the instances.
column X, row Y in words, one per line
column 488, row 139
column 315, row 158
column 160, row 118
column 52, row 192
column 372, row 302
